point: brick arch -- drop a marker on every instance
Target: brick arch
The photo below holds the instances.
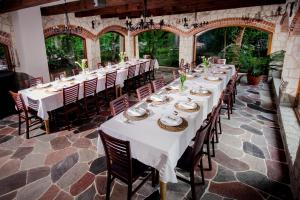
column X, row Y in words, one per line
column 85, row 34
column 5, row 38
column 168, row 28
column 220, row 23
column 114, row 28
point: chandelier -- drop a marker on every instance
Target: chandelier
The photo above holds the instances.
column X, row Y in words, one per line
column 260, row 16
column 196, row 24
column 67, row 28
column 144, row 23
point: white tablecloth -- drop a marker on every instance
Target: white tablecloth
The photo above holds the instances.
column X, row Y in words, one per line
column 49, row 101
column 159, row 148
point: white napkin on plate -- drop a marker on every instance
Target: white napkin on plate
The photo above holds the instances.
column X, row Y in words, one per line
column 187, row 105
column 136, row 112
column 213, row 78
column 157, row 97
column 174, row 87
column 171, row 120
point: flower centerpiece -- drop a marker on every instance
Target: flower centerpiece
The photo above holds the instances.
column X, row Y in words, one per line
column 82, row 65
column 122, row 56
column 205, row 62
column 182, row 78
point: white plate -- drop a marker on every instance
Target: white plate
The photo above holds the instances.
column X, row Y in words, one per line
column 136, row 112
column 171, row 120
column 213, row 78
column 198, row 70
column 224, row 67
column 190, row 75
column 187, row 105
column 43, row 85
column 157, row 97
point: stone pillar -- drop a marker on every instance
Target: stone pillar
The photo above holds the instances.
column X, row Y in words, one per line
column 136, row 47
column 186, row 49
column 279, row 39
column 93, row 52
column 122, row 43
column 129, row 46
column 30, row 42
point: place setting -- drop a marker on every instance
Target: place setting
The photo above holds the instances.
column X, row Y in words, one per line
column 213, row 78
column 136, row 113
column 172, row 122
column 200, row 91
column 158, row 99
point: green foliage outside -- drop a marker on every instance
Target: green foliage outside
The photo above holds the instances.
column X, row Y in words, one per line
column 2, row 52
column 63, row 51
column 110, row 46
column 162, row 45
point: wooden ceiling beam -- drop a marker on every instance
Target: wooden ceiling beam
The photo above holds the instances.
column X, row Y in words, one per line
column 12, row 5
column 167, row 7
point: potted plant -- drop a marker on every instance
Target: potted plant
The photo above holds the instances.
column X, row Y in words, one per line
column 253, row 65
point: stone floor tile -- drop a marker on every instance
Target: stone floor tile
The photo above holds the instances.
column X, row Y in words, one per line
column 224, row 175
column 9, row 196
column 63, row 196
column 82, row 143
column 9, row 168
column 277, row 154
column 22, row 152
column 37, row 173
column 32, row 160
column 251, row 129
column 59, row 155
column 98, row 165
column 50, row 193
column 60, row 143
column 255, row 163
column 278, row 171
column 34, row 190
column 88, row 194
column 100, row 182
column 233, row 164
column 12, row 182
column 84, row 182
column 253, row 150
column 86, row 155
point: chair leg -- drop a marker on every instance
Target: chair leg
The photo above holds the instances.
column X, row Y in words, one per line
column 192, row 182
column 20, row 124
column 228, row 110
column 220, row 126
column 208, row 155
column 27, row 129
column 108, row 183
column 216, row 132
column 213, row 146
column 129, row 191
column 201, row 170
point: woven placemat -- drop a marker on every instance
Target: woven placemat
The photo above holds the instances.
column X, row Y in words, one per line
column 178, row 128
column 220, row 72
column 200, row 93
column 220, row 79
column 197, row 108
column 171, row 90
column 135, row 118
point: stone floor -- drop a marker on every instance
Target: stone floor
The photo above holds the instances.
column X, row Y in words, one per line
column 249, row 164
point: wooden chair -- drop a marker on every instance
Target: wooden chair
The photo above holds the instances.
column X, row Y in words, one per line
column 142, row 76
column 70, row 102
column 130, row 82
column 119, row 105
column 192, row 156
column 34, row 81
column 228, row 98
column 90, row 94
column 175, row 74
column 58, row 75
column 158, row 84
column 151, row 72
column 27, row 114
column 110, row 84
column 122, row 166
column 143, row 92
column 75, row 71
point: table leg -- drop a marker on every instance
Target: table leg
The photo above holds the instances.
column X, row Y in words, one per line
column 46, row 122
column 163, row 190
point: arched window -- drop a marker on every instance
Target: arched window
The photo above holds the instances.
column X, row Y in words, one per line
column 159, row 44
column 62, row 52
column 217, row 42
column 5, row 62
column 111, row 44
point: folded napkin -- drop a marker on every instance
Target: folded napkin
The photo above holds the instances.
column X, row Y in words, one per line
column 136, row 112
column 157, row 97
column 171, row 120
column 187, row 105
column 174, row 87
column 43, row 85
column 213, row 78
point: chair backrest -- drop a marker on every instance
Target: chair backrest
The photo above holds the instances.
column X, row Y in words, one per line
column 199, row 141
column 90, row 87
column 35, row 81
column 118, row 156
column 70, row 94
column 131, row 71
column 221, row 61
column 142, row 68
column 110, row 79
column 119, row 105
column 57, row 75
column 143, row 92
column 175, row 74
column 19, row 102
column 75, row 71
column 158, row 84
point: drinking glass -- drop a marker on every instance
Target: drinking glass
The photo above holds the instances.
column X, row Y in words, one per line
column 61, row 76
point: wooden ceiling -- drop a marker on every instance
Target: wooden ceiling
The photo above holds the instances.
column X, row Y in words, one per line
column 12, row 5
column 132, row 8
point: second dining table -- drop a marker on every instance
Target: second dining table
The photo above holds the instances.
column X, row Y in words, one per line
column 161, row 148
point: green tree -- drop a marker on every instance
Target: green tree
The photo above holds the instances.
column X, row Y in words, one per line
column 110, row 46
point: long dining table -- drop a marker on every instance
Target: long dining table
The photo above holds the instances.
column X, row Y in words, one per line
column 49, row 96
column 160, row 148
